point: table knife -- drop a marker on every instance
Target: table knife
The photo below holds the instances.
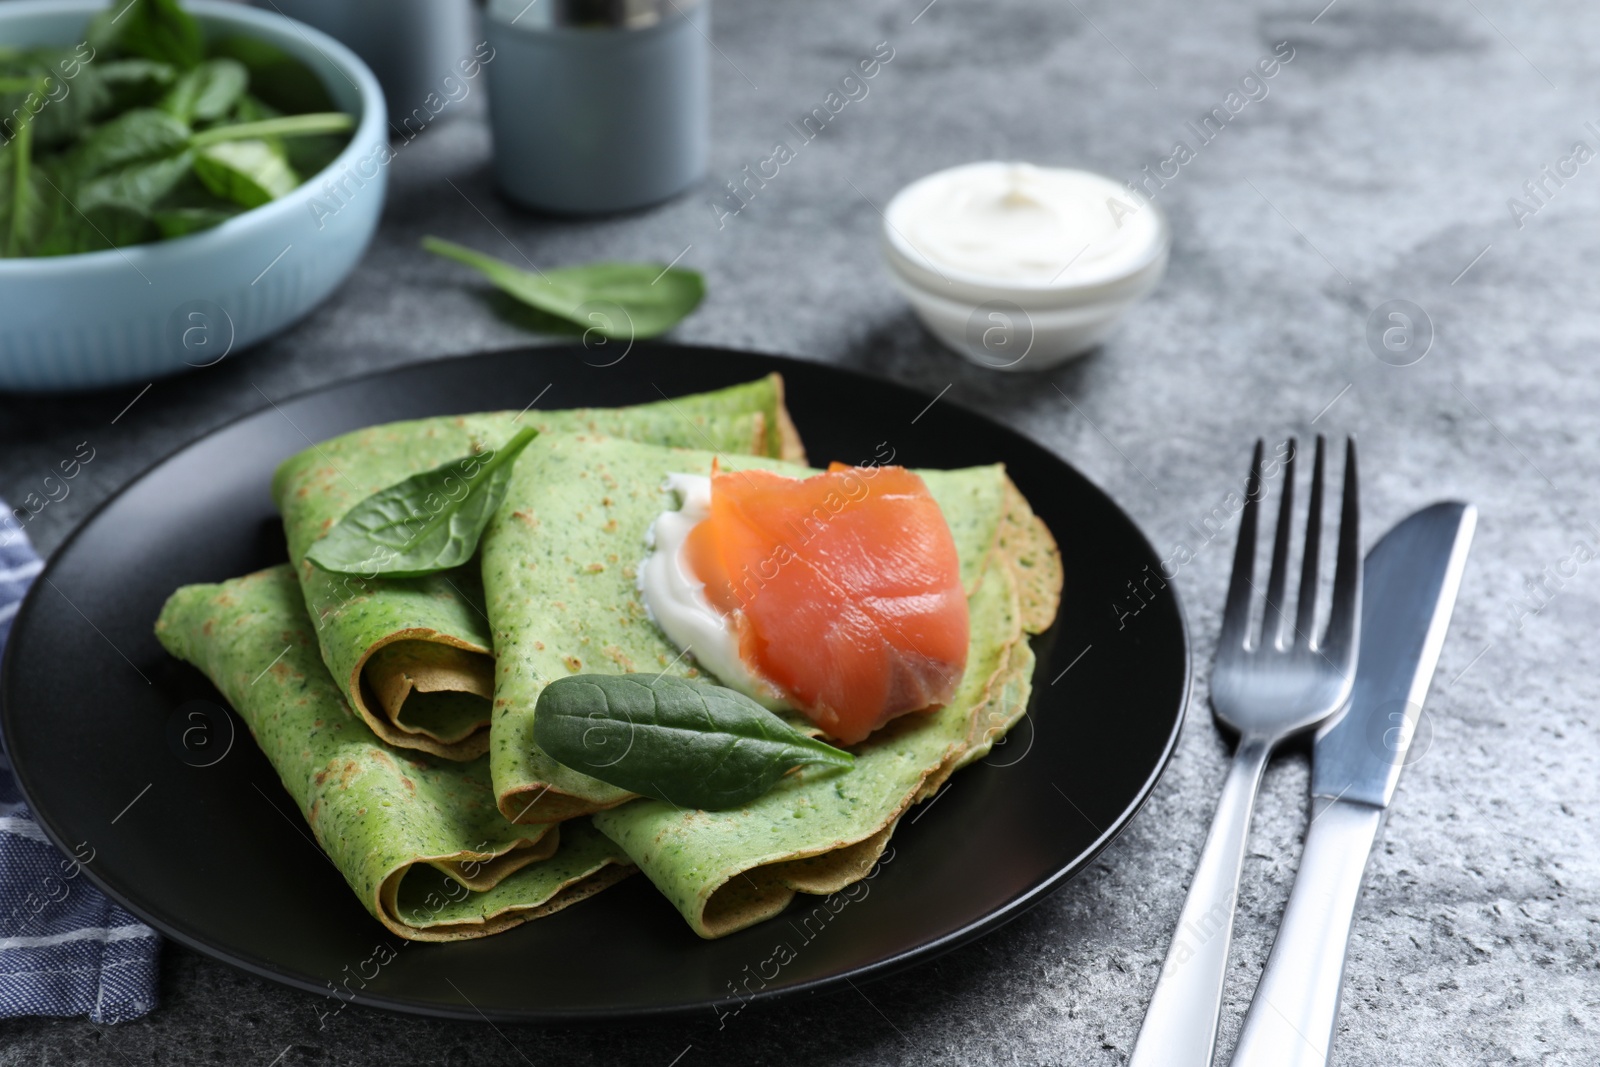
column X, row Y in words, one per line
column 1411, row 578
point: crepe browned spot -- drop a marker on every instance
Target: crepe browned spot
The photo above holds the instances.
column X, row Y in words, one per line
column 1027, row 547
column 784, row 442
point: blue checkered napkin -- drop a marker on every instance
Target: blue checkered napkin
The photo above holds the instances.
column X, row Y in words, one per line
column 64, row 948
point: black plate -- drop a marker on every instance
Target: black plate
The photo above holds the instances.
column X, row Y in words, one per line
column 218, row 858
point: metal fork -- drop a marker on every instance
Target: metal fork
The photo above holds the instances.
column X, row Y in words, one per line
column 1267, row 689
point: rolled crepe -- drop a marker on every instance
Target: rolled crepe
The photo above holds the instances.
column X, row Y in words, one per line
column 560, row 563
column 418, row 839
column 413, row 655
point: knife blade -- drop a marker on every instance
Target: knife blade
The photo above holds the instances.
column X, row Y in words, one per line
column 1411, row 578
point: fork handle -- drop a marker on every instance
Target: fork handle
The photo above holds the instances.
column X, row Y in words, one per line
column 1296, row 1007
column 1180, row 1027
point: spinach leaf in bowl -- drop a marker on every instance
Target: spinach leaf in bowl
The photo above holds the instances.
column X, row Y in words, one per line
column 146, row 132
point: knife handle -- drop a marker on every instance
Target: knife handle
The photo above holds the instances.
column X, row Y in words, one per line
column 1294, row 1012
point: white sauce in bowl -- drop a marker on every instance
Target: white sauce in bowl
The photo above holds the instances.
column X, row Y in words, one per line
column 1020, row 267
column 1014, row 223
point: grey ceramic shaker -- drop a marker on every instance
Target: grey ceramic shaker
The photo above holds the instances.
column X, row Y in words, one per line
column 598, row 105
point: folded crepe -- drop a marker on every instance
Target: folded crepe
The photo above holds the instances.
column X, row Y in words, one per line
column 418, row 838
column 559, row 565
column 413, row 655
column 818, row 831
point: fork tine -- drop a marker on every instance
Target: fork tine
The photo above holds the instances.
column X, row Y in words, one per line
column 1340, row 641
column 1236, row 614
column 1275, row 619
column 1305, row 621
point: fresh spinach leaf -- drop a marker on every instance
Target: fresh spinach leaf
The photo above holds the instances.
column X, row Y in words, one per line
column 131, row 83
column 22, row 203
column 208, row 92
column 68, row 228
column 280, row 126
column 73, row 231
column 136, row 71
column 106, row 26
column 58, row 104
column 249, row 173
column 141, row 134
column 136, row 186
column 246, row 162
column 182, row 221
column 312, row 154
column 276, row 77
column 21, row 99
column 13, row 105
column 427, row 523
column 689, row 743
column 191, row 207
column 252, row 108
column 129, row 164
column 153, row 29
column 617, row 300
column 136, row 133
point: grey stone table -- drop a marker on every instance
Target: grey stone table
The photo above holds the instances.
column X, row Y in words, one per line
column 1388, row 160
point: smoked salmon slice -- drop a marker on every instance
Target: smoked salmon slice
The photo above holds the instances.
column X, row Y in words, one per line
column 844, row 589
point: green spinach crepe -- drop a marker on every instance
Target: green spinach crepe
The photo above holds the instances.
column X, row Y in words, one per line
column 418, row 839
column 413, row 655
column 819, row 831
column 559, row 567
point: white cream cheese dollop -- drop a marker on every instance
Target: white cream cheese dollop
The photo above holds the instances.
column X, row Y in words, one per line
column 676, row 600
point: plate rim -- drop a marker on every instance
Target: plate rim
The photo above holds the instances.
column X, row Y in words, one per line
column 897, row 962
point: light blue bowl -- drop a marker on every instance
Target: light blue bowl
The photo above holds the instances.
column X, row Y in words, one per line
column 134, row 314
